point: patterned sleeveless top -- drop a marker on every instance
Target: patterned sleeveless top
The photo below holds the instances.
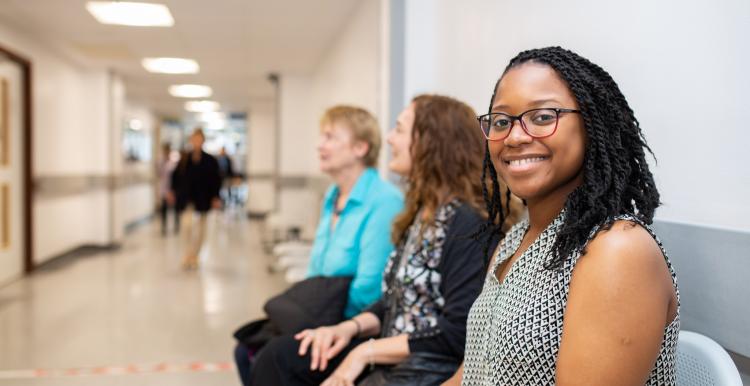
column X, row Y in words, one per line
column 514, row 329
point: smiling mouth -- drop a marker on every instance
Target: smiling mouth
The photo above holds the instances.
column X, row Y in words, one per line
column 524, row 161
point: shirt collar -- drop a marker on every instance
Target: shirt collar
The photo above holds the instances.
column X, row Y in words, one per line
column 360, row 189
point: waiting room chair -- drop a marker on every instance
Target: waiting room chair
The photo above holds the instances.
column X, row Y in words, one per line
column 702, row 362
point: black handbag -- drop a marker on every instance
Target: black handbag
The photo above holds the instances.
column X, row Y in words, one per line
column 256, row 334
column 313, row 302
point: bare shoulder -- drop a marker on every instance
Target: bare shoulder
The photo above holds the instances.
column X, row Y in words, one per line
column 622, row 261
column 625, row 247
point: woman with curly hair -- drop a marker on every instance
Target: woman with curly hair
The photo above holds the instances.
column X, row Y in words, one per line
column 581, row 293
column 415, row 333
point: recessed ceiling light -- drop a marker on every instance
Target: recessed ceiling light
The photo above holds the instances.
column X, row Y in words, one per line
column 171, row 65
column 201, row 106
column 190, row 91
column 131, row 13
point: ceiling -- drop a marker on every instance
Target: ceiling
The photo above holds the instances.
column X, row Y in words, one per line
column 236, row 42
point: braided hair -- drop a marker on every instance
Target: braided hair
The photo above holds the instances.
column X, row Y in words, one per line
column 616, row 177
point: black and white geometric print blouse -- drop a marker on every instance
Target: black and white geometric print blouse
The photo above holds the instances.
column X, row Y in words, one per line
column 411, row 283
column 514, row 329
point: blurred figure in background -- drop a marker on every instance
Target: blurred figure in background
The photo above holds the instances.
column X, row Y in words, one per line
column 177, row 190
column 226, row 172
column 164, row 169
column 196, row 184
column 352, row 238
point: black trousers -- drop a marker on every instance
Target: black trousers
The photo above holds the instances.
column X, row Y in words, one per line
column 243, row 362
column 278, row 364
column 165, row 215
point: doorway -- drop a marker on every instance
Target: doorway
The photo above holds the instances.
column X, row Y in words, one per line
column 15, row 175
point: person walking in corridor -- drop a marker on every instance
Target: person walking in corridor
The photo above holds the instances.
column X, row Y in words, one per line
column 196, row 180
column 165, row 168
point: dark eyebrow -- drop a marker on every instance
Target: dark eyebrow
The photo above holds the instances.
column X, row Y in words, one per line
column 534, row 104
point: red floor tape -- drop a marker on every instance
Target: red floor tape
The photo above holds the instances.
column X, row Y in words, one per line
column 193, row 367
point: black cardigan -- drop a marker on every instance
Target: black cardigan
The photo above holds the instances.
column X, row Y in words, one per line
column 196, row 183
column 461, row 266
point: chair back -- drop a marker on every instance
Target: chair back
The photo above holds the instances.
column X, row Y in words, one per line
column 703, row 362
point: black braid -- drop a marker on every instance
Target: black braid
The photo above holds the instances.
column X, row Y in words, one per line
column 494, row 203
column 616, row 177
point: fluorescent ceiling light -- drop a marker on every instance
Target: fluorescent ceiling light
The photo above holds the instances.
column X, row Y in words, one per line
column 131, row 13
column 201, row 106
column 171, row 65
column 190, row 91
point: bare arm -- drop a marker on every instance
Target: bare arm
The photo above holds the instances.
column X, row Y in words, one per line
column 621, row 298
column 391, row 350
column 455, row 380
column 369, row 324
column 386, row 351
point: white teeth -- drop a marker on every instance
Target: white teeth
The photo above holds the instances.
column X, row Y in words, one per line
column 519, row 162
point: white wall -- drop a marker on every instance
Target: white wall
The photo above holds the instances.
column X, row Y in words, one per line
column 64, row 223
column 260, row 159
column 349, row 73
column 262, row 126
column 681, row 64
column 136, row 201
column 298, row 125
column 350, row 70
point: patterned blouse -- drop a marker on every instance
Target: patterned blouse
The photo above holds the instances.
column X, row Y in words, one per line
column 431, row 279
column 412, row 275
column 515, row 328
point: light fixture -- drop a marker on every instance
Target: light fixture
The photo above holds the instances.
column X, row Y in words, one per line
column 201, row 106
column 135, row 124
column 131, row 13
column 190, row 91
column 170, row 65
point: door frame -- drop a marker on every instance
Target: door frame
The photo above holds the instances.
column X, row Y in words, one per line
column 26, row 188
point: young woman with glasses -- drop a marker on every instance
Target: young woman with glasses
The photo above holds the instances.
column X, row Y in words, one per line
column 581, row 293
column 414, row 335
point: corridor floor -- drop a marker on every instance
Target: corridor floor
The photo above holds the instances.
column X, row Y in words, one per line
column 134, row 306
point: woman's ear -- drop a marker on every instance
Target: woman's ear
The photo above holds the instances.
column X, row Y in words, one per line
column 361, row 148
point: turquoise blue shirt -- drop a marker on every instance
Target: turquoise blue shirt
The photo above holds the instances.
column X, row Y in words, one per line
column 361, row 241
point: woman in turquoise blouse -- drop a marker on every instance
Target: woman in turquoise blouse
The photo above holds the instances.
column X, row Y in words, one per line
column 353, row 236
column 359, row 243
